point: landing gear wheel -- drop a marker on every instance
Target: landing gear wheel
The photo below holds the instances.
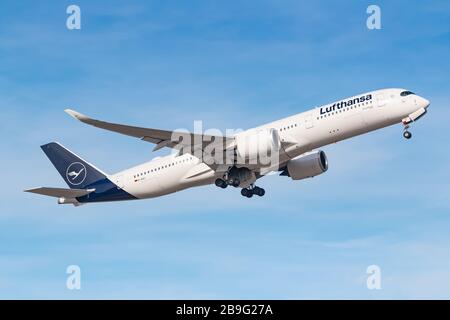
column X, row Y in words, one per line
column 247, row 192
column 233, row 182
column 221, row 183
column 406, row 134
column 259, row 191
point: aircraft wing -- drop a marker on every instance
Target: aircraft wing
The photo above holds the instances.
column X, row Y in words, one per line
column 60, row 192
column 162, row 138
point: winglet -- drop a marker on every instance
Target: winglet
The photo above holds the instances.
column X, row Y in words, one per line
column 79, row 116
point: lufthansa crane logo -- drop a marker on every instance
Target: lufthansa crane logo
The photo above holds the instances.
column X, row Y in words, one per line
column 76, row 173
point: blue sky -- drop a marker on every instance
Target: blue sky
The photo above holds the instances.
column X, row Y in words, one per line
column 232, row 64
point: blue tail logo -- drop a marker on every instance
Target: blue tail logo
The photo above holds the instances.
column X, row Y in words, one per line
column 73, row 169
column 76, row 173
column 80, row 174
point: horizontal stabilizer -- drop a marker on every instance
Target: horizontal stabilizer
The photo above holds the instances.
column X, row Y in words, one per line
column 61, row 192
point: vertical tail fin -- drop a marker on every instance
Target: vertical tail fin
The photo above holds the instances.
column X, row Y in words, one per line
column 77, row 173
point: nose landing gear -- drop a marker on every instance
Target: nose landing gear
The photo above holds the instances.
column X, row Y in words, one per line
column 406, row 134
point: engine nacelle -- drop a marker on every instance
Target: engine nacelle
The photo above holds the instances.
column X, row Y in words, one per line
column 307, row 165
column 257, row 146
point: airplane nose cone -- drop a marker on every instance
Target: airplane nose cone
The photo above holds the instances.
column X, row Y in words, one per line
column 423, row 103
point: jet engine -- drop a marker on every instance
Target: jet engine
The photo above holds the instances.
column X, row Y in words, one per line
column 306, row 165
column 257, row 146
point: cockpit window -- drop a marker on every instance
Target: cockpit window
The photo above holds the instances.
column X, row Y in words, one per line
column 406, row 93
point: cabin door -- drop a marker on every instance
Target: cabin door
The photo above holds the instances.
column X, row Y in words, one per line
column 309, row 122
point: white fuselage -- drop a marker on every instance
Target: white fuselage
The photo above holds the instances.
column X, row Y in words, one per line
column 309, row 130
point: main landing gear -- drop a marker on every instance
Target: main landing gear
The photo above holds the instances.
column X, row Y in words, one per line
column 246, row 192
column 233, row 177
column 249, row 192
column 221, row 183
column 236, row 177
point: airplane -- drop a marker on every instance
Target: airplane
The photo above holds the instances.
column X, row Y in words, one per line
column 291, row 144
